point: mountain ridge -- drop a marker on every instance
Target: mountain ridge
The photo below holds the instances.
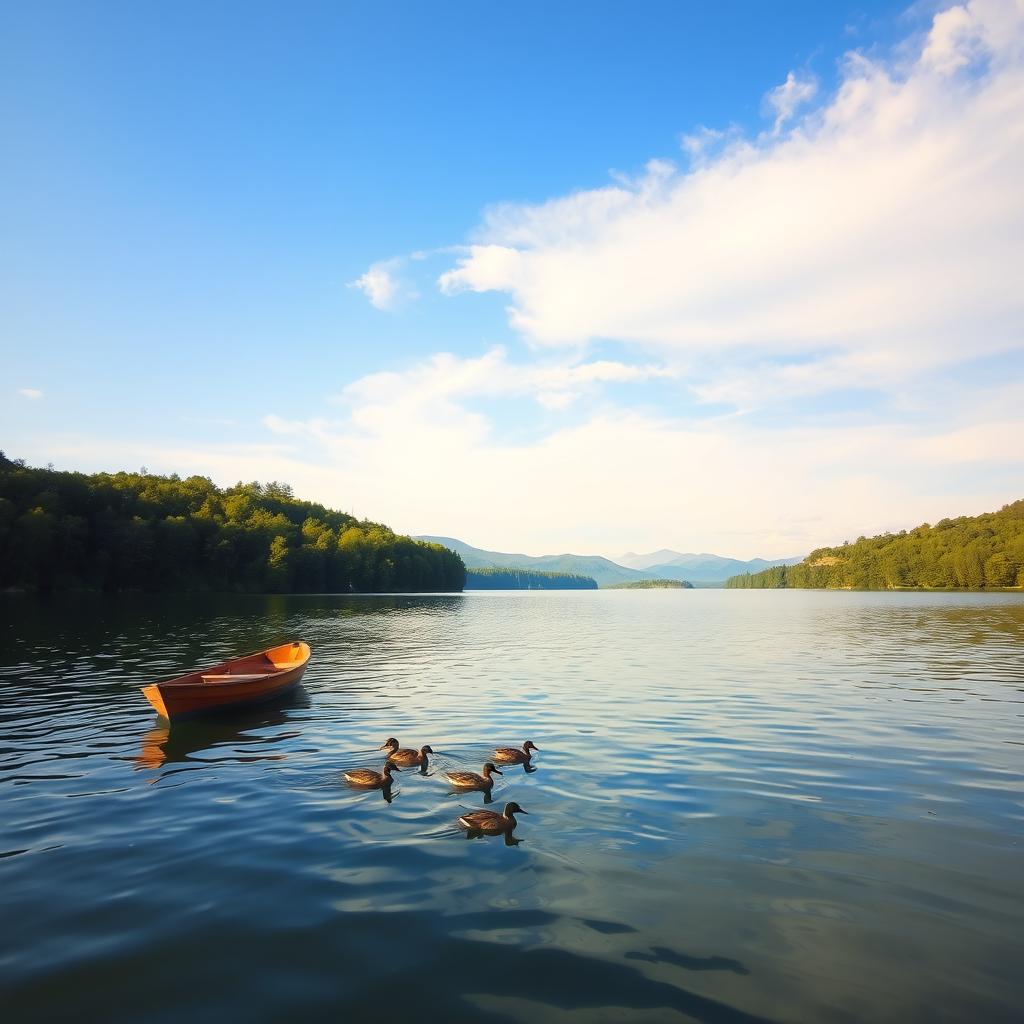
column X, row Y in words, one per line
column 602, row 569
column 703, row 568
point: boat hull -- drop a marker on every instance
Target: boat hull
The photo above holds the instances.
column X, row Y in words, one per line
column 232, row 684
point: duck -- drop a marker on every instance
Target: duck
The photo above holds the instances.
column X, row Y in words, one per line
column 368, row 777
column 406, row 756
column 491, row 822
column 510, row 755
column 470, row 780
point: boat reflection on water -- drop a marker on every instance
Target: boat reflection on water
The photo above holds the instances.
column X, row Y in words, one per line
column 238, row 736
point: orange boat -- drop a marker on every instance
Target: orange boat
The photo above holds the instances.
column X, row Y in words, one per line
column 248, row 680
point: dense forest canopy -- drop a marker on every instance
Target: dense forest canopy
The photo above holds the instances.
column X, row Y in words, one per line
column 120, row 531
column 526, row 579
column 969, row 553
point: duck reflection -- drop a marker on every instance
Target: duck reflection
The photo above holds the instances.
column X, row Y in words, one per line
column 507, row 837
column 168, row 743
column 367, row 778
column 464, row 781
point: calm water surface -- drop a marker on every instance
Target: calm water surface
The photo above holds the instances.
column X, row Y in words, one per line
column 749, row 806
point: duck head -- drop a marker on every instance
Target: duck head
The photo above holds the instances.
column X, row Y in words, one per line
column 529, row 745
column 512, row 808
column 490, row 769
column 426, row 750
column 389, row 744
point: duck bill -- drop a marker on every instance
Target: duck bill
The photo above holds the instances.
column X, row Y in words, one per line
column 521, row 811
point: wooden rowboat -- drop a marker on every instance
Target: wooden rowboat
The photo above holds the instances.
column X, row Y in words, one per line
column 247, row 680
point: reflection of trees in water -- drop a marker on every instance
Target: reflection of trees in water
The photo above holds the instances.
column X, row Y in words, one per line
column 123, row 635
column 941, row 637
column 331, row 606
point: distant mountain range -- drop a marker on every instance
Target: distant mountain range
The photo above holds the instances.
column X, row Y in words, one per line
column 604, row 570
column 665, row 564
column 698, row 568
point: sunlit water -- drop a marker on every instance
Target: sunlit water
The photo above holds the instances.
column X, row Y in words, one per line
column 791, row 806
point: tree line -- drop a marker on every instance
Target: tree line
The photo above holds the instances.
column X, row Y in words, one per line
column 968, row 553
column 652, row 585
column 526, row 579
column 139, row 531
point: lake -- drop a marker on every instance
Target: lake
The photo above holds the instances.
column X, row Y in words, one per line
column 747, row 806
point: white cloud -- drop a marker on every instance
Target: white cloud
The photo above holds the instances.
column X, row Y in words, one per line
column 953, row 42
column 882, row 227
column 380, row 285
column 391, row 283
column 292, row 428
column 486, row 268
column 437, row 384
column 419, row 453
column 786, row 99
column 33, row 394
column 701, row 142
column 423, row 450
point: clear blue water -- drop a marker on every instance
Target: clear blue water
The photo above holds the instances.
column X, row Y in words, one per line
column 748, row 805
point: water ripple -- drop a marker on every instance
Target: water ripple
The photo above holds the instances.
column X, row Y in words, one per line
column 747, row 806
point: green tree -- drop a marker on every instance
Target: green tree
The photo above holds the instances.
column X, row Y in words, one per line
column 142, row 531
column 969, row 552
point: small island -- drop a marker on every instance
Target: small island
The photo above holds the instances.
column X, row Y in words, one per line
column 652, row 585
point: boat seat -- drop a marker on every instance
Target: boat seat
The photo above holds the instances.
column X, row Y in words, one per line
column 286, row 660
column 236, row 677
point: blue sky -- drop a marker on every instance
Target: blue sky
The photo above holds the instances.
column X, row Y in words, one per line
column 633, row 265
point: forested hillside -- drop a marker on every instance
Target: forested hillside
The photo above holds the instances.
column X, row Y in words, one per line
column 118, row 531
column 526, row 579
column 969, row 553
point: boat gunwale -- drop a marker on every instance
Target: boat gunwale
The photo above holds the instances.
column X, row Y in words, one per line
column 195, row 678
